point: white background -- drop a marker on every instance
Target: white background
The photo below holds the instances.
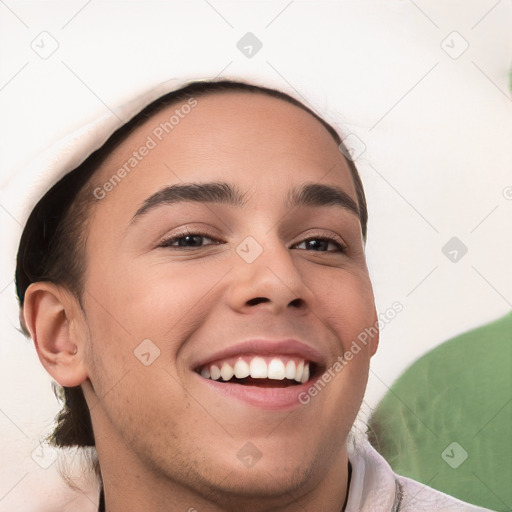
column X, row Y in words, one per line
column 437, row 127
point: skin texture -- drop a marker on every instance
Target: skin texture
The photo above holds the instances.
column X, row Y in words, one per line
column 165, row 440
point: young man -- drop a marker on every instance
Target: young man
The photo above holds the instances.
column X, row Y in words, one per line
column 200, row 281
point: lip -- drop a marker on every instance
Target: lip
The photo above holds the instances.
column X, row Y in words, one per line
column 263, row 398
column 265, row 347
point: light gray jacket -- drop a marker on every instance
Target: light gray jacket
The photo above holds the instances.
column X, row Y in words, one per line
column 374, row 487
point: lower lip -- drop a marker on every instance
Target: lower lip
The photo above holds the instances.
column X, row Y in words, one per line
column 265, row 398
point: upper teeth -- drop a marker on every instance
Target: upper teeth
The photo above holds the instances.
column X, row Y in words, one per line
column 258, row 368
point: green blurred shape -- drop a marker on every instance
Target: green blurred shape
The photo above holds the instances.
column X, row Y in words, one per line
column 455, row 399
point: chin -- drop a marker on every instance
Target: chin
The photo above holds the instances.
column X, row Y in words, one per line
column 270, row 472
column 266, row 481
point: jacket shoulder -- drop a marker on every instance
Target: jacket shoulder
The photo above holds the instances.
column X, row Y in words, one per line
column 417, row 497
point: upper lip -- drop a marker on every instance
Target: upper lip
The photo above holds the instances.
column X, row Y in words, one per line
column 265, row 347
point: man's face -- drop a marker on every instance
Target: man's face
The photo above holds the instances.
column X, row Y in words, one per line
column 186, row 285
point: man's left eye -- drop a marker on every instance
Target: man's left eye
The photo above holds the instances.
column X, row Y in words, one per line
column 320, row 245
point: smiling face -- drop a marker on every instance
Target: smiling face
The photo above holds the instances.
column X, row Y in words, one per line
column 232, row 246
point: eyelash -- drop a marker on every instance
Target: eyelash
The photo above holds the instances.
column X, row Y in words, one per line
column 166, row 243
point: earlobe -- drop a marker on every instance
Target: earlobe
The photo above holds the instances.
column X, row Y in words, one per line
column 48, row 311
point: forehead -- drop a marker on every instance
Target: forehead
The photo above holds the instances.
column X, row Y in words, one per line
column 229, row 136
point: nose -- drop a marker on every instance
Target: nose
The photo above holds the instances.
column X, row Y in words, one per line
column 271, row 282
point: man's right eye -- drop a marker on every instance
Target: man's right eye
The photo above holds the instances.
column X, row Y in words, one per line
column 188, row 239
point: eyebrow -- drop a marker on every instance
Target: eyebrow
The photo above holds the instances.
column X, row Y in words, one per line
column 316, row 194
column 223, row 193
column 311, row 194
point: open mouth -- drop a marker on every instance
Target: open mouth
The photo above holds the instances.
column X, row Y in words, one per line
column 260, row 371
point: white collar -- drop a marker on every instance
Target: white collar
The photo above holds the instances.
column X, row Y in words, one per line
column 373, row 484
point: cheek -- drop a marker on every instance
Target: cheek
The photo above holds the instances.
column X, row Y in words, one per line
column 170, row 299
column 344, row 301
column 164, row 303
column 344, row 304
column 135, row 335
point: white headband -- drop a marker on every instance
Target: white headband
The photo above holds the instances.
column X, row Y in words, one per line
column 24, row 189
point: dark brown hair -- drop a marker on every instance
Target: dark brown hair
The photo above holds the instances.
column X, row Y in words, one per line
column 52, row 246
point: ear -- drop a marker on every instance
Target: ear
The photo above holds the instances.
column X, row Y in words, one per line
column 51, row 315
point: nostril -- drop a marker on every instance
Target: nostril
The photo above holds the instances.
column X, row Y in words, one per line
column 296, row 303
column 257, row 300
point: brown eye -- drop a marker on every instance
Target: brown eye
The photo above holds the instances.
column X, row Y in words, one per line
column 189, row 240
column 321, row 244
